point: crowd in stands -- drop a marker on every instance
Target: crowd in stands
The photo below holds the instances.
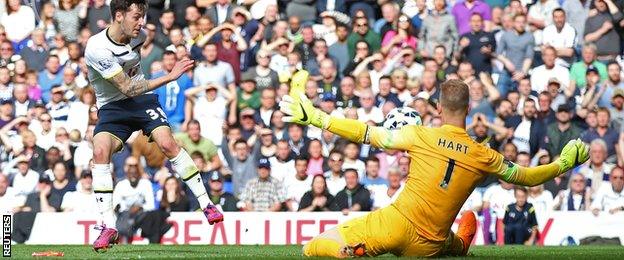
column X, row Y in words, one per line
column 540, row 73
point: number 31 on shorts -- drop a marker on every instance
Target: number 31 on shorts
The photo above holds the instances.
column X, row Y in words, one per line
column 153, row 115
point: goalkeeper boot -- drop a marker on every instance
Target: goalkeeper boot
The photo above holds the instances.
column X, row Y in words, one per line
column 467, row 229
column 358, row 250
column 213, row 214
column 106, row 239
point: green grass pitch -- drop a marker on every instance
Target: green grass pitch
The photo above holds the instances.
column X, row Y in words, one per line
column 293, row 252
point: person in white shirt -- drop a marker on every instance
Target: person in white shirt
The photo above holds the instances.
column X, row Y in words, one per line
column 297, row 184
column 281, row 164
column 334, row 177
column 209, row 108
column 576, row 198
column 541, row 74
column 391, row 192
column 368, row 111
column 540, row 16
column 542, row 201
column 134, row 191
column 597, row 170
column 8, row 197
column 562, row 36
column 80, row 200
column 45, row 135
column 610, row 198
column 351, row 161
column 25, row 180
column 495, row 199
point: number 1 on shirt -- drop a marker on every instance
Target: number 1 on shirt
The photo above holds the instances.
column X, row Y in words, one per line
column 447, row 175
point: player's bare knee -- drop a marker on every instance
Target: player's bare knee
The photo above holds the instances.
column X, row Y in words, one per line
column 101, row 154
column 170, row 148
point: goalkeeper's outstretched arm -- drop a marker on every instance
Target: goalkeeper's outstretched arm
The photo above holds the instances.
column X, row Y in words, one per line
column 572, row 155
column 301, row 111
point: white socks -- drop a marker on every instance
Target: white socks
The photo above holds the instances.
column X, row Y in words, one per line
column 185, row 167
column 103, row 188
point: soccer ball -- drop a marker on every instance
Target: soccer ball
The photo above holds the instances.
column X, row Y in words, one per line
column 401, row 116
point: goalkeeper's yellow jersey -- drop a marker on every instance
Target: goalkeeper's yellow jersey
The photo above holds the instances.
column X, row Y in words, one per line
column 446, row 165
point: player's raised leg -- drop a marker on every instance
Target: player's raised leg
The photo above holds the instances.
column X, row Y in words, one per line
column 104, row 144
column 188, row 171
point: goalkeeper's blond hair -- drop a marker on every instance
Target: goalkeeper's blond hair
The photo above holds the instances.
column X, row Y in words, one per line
column 454, row 96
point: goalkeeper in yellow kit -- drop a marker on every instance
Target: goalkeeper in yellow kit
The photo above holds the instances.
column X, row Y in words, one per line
column 446, row 165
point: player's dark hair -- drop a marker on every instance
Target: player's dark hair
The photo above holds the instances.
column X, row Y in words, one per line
column 454, row 96
column 123, row 6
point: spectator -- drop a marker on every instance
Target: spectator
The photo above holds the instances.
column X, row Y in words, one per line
column 540, row 75
column 262, row 74
column 45, row 133
column 98, row 16
column 361, row 31
column 479, row 102
column 297, row 184
column 9, row 200
column 383, row 197
column 368, row 111
column 578, row 71
column 600, row 31
column 52, row 75
column 520, row 221
column 282, row 164
column 263, row 193
column 242, row 160
column 318, row 198
column 81, row 200
column 248, row 96
column 561, row 36
column 58, row 106
column 208, row 109
column 33, row 151
column 297, row 141
column 61, row 184
column 596, row 172
column 69, row 16
column 134, row 193
column 373, row 181
column 18, row 22
column 562, row 131
column 43, row 200
column 477, row 46
column 220, row 11
column 335, row 180
column 173, row 198
column 610, row 86
column 438, row 28
column 340, row 49
column 610, row 197
column 354, row 197
column 542, row 200
column 172, row 95
column 515, row 51
column 604, row 132
column 24, row 180
column 528, row 132
column 150, row 52
column 540, row 16
column 577, row 12
column 397, row 39
column 213, row 70
column 464, row 11
column 218, row 196
column 352, row 161
column 496, row 198
column 36, row 53
column 47, row 23
column 576, row 198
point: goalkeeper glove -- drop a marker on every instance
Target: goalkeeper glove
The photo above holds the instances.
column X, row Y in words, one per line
column 298, row 83
column 302, row 112
column 573, row 154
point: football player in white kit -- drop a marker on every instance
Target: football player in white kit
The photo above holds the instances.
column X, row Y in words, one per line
column 126, row 104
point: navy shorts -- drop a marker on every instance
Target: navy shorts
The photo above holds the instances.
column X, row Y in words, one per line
column 123, row 117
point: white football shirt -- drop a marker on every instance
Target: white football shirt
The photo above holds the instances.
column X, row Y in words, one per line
column 105, row 58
